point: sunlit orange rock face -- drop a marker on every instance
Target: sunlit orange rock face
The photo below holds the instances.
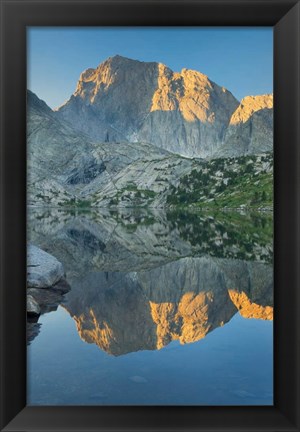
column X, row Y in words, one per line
column 114, row 314
column 125, row 99
column 190, row 92
column 249, row 309
column 249, row 105
column 150, row 326
column 182, row 112
column 249, row 126
column 191, row 319
column 182, row 300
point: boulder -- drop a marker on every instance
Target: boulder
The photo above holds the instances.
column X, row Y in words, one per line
column 43, row 270
column 33, row 329
column 49, row 299
column 33, row 307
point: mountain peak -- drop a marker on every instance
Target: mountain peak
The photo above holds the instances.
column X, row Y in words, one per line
column 118, row 57
column 113, row 62
column 143, row 101
column 118, row 60
column 35, row 103
column 130, row 100
column 249, row 105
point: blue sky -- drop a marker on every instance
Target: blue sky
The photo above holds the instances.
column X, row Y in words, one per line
column 240, row 59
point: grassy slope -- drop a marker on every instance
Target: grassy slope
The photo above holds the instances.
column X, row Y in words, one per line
column 236, row 182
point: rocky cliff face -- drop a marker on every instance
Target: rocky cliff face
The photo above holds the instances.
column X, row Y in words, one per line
column 183, row 300
column 139, row 281
column 54, row 152
column 116, row 141
column 66, row 167
column 124, row 99
column 250, row 128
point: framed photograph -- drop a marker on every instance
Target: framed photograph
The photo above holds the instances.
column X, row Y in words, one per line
column 150, row 215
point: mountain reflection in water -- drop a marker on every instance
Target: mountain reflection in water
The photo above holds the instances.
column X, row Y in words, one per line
column 141, row 279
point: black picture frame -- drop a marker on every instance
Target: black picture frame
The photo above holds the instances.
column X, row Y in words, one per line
column 285, row 17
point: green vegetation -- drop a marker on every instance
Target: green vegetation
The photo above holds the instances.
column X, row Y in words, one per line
column 226, row 234
column 130, row 187
column 134, row 195
column 77, row 203
column 218, row 233
column 148, row 193
column 83, row 203
column 135, row 219
column 233, row 183
column 223, row 183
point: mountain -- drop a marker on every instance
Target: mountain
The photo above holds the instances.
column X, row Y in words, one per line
column 140, row 279
column 250, row 129
column 58, row 157
column 182, row 112
column 65, row 167
column 139, row 239
column 133, row 134
column 183, row 300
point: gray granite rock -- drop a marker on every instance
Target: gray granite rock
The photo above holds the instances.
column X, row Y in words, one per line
column 182, row 112
column 33, row 329
column 126, row 145
column 43, row 270
column 33, row 307
column 49, row 299
column 250, row 130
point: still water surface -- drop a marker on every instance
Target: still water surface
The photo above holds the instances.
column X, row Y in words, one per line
column 164, row 309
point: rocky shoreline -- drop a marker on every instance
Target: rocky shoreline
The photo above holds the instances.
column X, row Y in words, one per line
column 46, row 287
